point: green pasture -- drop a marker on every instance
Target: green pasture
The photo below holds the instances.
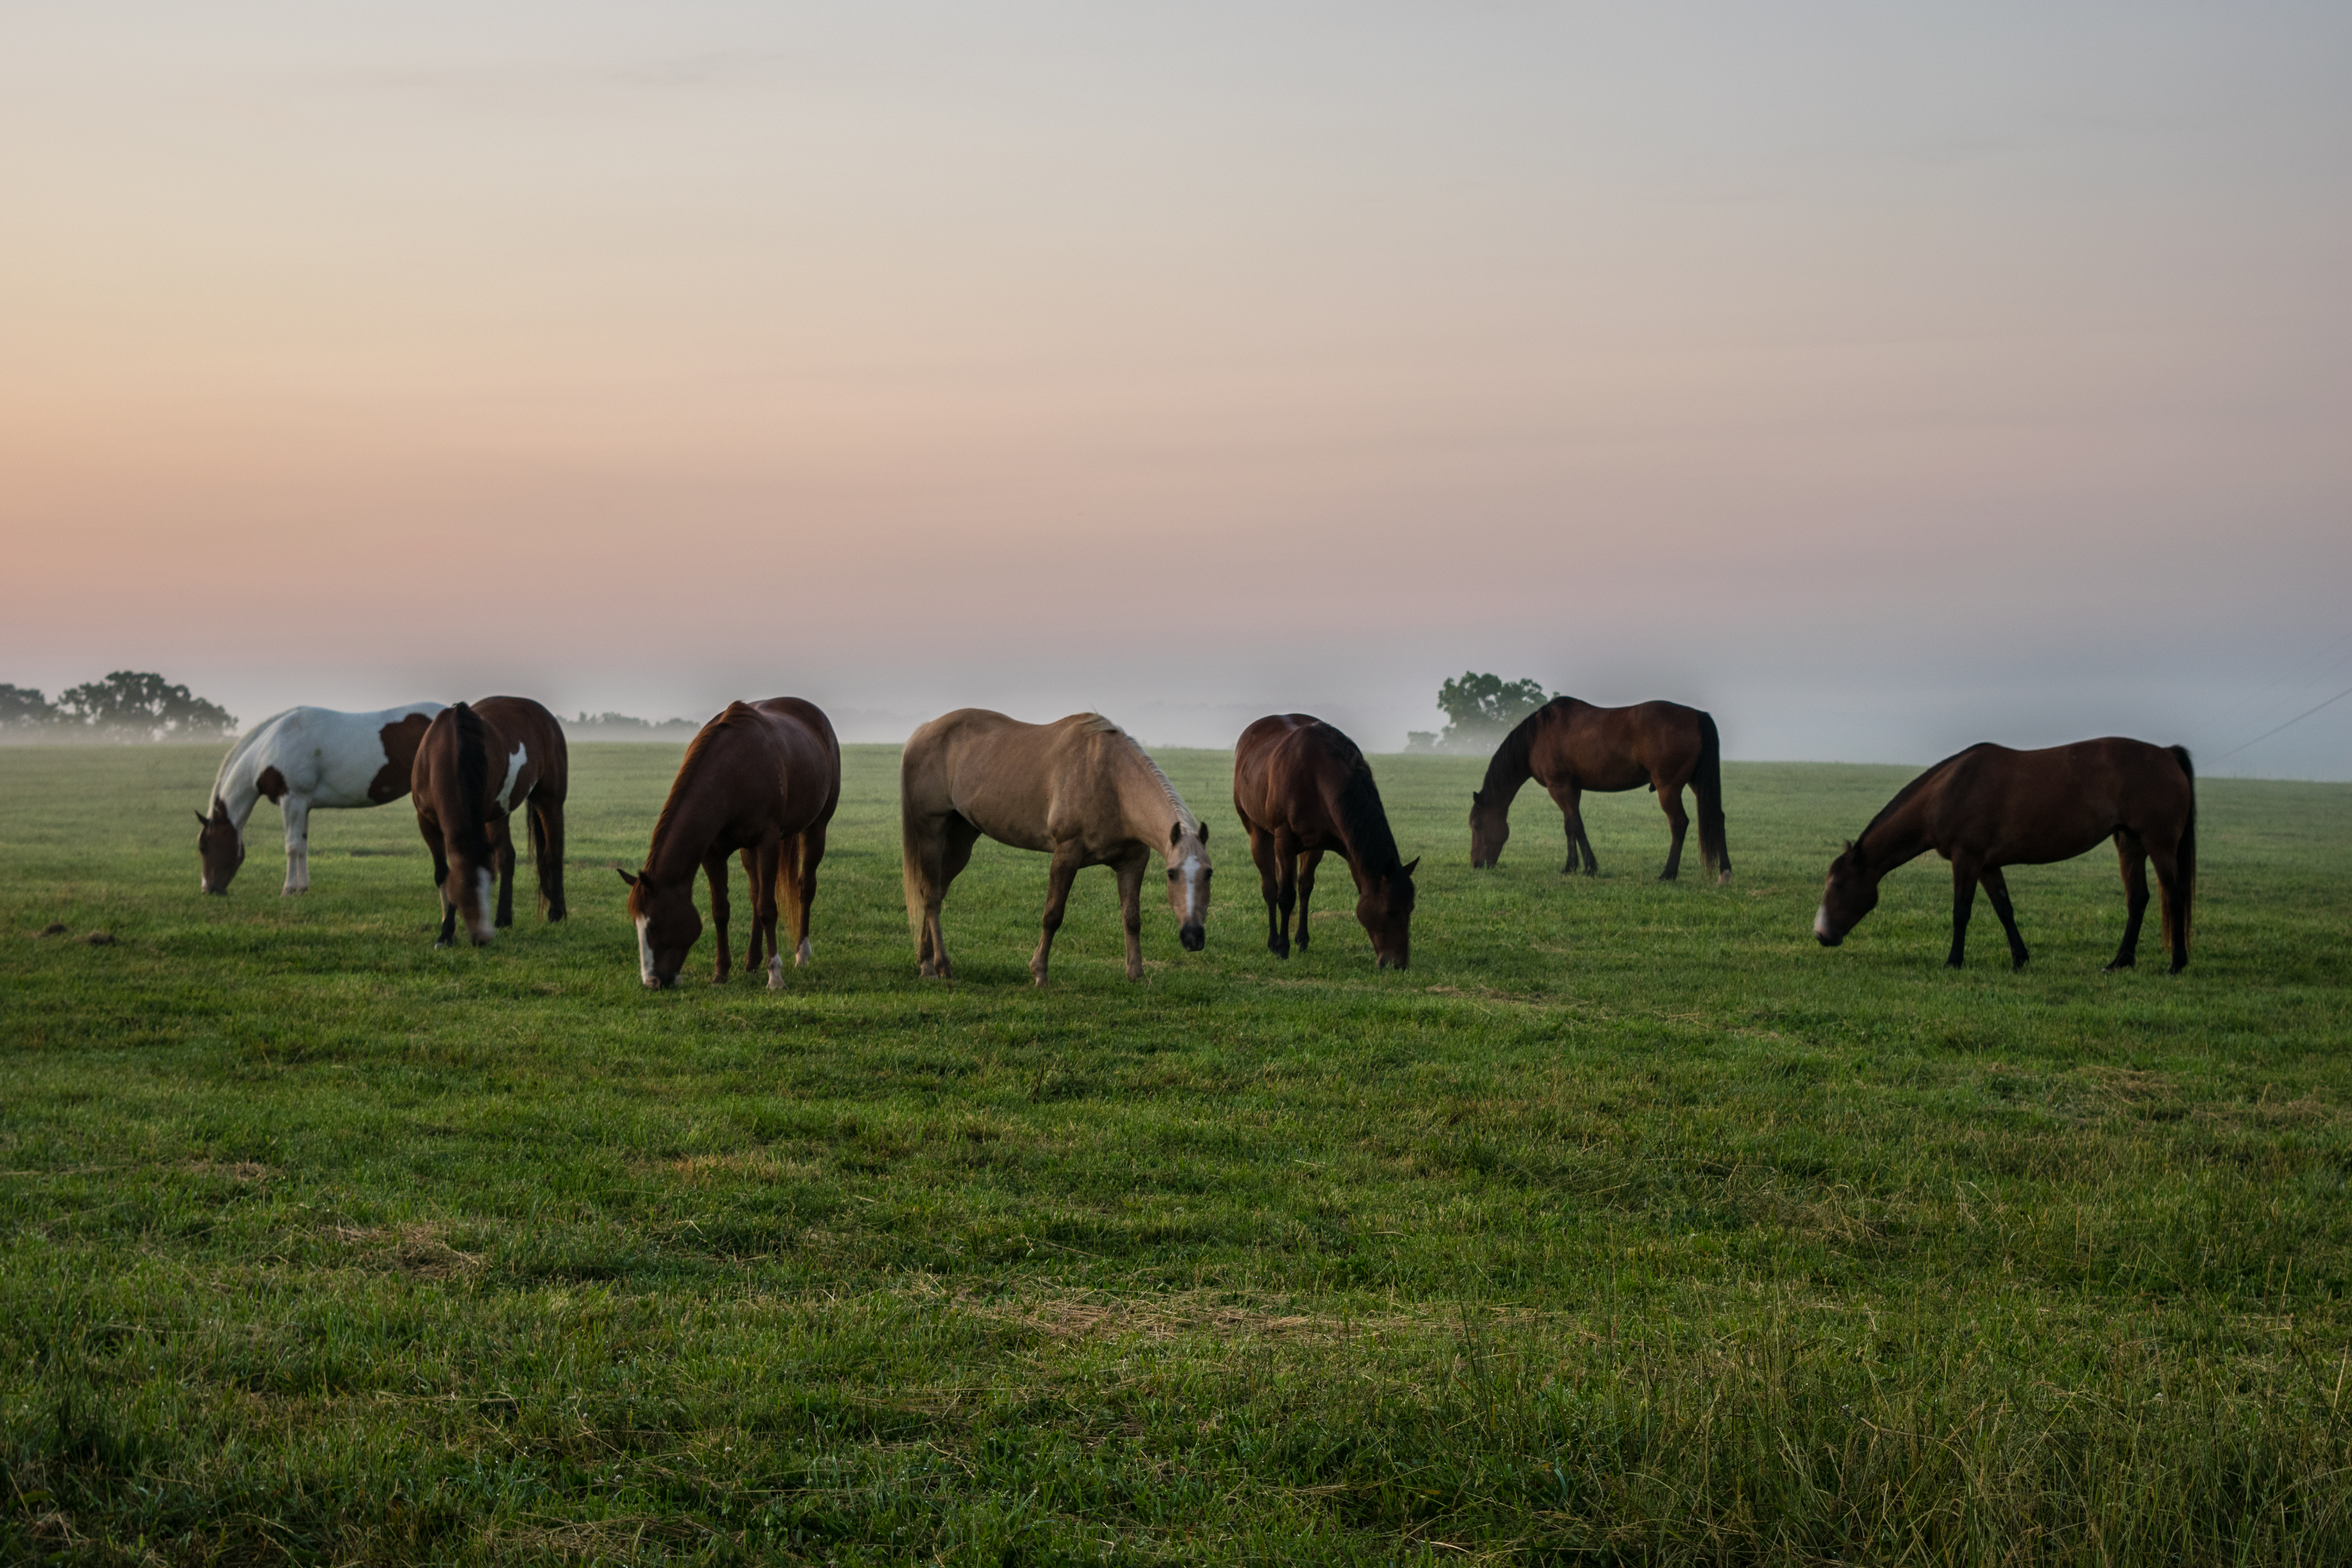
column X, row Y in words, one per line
column 1627, row 1226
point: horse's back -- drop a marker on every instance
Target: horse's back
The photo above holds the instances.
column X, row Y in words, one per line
column 2053, row 802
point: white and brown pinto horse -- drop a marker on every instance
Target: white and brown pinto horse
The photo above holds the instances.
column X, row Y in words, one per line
column 302, row 759
column 1078, row 789
column 476, row 766
column 762, row 779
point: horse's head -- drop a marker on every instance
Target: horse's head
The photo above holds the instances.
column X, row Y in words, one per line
column 220, row 846
column 1490, row 829
column 668, row 925
column 1850, row 893
column 1188, row 882
column 1384, row 906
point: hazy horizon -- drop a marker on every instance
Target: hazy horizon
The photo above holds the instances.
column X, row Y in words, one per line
column 1879, row 382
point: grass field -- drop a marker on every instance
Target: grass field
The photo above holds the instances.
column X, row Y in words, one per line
column 1627, row 1226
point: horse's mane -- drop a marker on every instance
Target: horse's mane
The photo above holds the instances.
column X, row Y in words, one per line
column 1362, row 818
column 473, row 839
column 1512, row 754
column 1096, row 724
column 237, row 753
column 736, row 716
column 1903, row 795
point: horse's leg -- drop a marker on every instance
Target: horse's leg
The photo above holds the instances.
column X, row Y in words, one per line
column 1130, row 908
column 1996, row 888
column 547, row 855
column 1568, row 796
column 801, row 870
column 1670, row 801
column 434, row 843
column 2131, row 860
column 502, row 855
column 1269, row 882
column 1285, row 884
column 1965, row 869
column 1307, row 864
column 2175, row 912
column 298, row 843
column 1065, row 870
column 760, row 867
column 714, row 867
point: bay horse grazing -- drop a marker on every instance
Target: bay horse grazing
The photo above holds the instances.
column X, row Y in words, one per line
column 477, row 765
column 1302, row 789
column 1078, row 789
column 1570, row 747
column 1990, row 807
column 302, row 759
column 762, row 779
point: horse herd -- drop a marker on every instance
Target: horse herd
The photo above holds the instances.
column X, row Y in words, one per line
column 761, row 782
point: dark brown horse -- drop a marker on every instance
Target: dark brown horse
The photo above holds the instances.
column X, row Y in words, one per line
column 1302, row 788
column 762, row 779
column 1570, row 747
column 477, row 765
column 1989, row 807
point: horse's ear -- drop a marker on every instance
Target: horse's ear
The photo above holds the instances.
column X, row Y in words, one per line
column 1175, row 833
column 625, row 876
column 202, row 817
column 1205, row 833
column 1411, row 865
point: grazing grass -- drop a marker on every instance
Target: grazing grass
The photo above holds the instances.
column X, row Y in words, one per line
column 1626, row 1227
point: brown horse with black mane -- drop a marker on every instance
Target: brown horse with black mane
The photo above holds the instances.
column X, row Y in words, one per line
column 1078, row 789
column 1303, row 788
column 1990, row 807
column 762, row 779
column 474, row 766
column 1570, row 747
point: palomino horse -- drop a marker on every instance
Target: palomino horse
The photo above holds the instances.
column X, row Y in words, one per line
column 1302, row 788
column 474, row 767
column 1571, row 747
column 1078, row 789
column 302, row 758
column 1989, row 807
column 762, row 778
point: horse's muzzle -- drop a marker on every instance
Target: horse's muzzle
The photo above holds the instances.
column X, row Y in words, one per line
column 1193, row 937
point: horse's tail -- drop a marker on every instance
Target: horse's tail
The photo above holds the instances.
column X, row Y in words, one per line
column 1707, row 784
column 790, row 854
column 2185, row 858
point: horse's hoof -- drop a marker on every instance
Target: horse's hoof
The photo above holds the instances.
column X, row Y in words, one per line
column 1955, row 963
column 1723, row 880
column 441, row 941
column 2017, row 967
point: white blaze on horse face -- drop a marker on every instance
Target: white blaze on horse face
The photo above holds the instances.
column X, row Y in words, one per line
column 1822, row 921
column 1196, row 897
column 485, row 886
column 644, row 952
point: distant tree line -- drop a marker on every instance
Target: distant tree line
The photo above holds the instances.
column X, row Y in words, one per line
column 128, row 705
column 1479, row 710
column 628, row 726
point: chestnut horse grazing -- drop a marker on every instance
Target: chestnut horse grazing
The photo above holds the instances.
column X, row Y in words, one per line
column 474, row 767
column 1989, row 807
column 1303, row 788
column 302, row 758
column 1570, row 747
column 761, row 779
column 1078, row 789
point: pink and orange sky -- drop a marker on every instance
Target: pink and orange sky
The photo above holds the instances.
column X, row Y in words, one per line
column 1882, row 380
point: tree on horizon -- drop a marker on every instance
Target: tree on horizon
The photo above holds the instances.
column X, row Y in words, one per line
column 140, row 705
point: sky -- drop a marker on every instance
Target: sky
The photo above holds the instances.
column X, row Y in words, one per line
column 1883, row 379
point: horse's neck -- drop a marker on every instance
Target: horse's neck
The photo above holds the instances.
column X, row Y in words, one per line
column 1148, row 803
column 235, row 784
column 690, row 818
column 1897, row 839
column 1373, row 855
column 1508, row 773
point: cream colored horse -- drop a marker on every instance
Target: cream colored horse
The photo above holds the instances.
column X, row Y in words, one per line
column 1079, row 789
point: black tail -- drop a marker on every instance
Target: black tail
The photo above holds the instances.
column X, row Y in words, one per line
column 2186, row 857
column 469, row 834
column 1707, row 784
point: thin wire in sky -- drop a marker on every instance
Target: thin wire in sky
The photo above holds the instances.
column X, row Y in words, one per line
column 2288, row 725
